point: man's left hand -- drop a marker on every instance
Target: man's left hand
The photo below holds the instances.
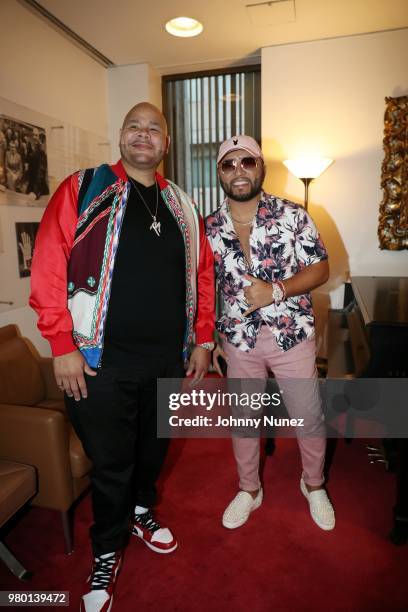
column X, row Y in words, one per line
column 258, row 294
column 199, row 363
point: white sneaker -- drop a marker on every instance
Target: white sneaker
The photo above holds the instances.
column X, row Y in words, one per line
column 240, row 508
column 320, row 506
column 96, row 601
column 157, row 538
column 102, row 583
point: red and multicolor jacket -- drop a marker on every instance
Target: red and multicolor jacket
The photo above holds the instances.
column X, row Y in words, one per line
column 74, row 260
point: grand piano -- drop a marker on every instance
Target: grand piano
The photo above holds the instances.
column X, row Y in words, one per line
column 368, row 337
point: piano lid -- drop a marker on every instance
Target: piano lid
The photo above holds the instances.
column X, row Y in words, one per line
column 383, row 300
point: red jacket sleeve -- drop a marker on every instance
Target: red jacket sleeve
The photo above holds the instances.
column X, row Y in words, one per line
column 49, row 267
column 205, row 319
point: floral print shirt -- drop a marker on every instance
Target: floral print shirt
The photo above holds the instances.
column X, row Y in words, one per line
column 283, row 240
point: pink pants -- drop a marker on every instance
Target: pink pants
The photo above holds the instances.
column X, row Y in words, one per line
column 297, row 367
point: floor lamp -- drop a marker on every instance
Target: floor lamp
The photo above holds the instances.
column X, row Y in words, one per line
column 307, row 169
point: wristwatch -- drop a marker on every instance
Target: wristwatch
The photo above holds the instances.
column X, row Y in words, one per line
column 278, row 292
column 208, row 346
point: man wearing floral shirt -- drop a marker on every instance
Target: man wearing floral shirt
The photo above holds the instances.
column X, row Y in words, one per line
column 268, row 257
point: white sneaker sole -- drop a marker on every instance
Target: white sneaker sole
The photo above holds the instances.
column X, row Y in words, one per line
column 236, row 524
column 318, row 523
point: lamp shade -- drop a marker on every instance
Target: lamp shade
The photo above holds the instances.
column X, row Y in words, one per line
column 308, row 167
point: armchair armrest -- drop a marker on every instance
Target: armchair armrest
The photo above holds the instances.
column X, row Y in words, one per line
column 39, row 437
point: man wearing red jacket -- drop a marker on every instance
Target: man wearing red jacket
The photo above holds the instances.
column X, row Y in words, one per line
column 122, row 279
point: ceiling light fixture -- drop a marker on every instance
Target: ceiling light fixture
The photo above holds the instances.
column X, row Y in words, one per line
column 184, row 27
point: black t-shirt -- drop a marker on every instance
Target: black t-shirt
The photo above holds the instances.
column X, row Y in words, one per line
column 146, row 315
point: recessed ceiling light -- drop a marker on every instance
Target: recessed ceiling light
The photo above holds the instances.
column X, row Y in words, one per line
column 184, row 27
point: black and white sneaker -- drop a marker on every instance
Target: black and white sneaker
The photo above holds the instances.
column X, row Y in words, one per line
column 158, row 538
column 102, row 583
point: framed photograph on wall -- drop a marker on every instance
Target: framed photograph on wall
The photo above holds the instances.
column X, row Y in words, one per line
column 23, row 160
column 25, row 236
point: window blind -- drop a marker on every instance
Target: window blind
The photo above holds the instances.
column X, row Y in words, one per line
column 203, row 110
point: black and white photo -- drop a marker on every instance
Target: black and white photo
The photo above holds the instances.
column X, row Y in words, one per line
column 23, row 159
column 25, row 236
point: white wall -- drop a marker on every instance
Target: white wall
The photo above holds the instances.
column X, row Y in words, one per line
column 327, row 98
column 127, row 86
column 45, row 73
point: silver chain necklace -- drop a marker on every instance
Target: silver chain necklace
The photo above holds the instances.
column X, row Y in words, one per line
column 155, row 226
column 240, row 222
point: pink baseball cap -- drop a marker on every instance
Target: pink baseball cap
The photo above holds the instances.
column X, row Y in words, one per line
column 240, row 142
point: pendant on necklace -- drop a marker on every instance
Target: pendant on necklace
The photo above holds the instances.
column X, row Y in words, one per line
column 155, row 226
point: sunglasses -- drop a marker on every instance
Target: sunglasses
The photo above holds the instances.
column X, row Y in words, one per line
column 228, row 166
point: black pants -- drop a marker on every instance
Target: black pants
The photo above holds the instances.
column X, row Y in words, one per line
column 117, row 425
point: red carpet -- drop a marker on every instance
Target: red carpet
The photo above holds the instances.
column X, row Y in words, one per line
column 278, row 561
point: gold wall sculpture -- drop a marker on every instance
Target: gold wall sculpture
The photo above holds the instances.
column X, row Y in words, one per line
column 393, row 221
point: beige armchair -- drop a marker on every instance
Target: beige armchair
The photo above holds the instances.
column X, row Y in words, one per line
column 34, row 428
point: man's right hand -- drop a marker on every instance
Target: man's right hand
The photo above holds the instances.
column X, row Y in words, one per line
column 69, row 373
